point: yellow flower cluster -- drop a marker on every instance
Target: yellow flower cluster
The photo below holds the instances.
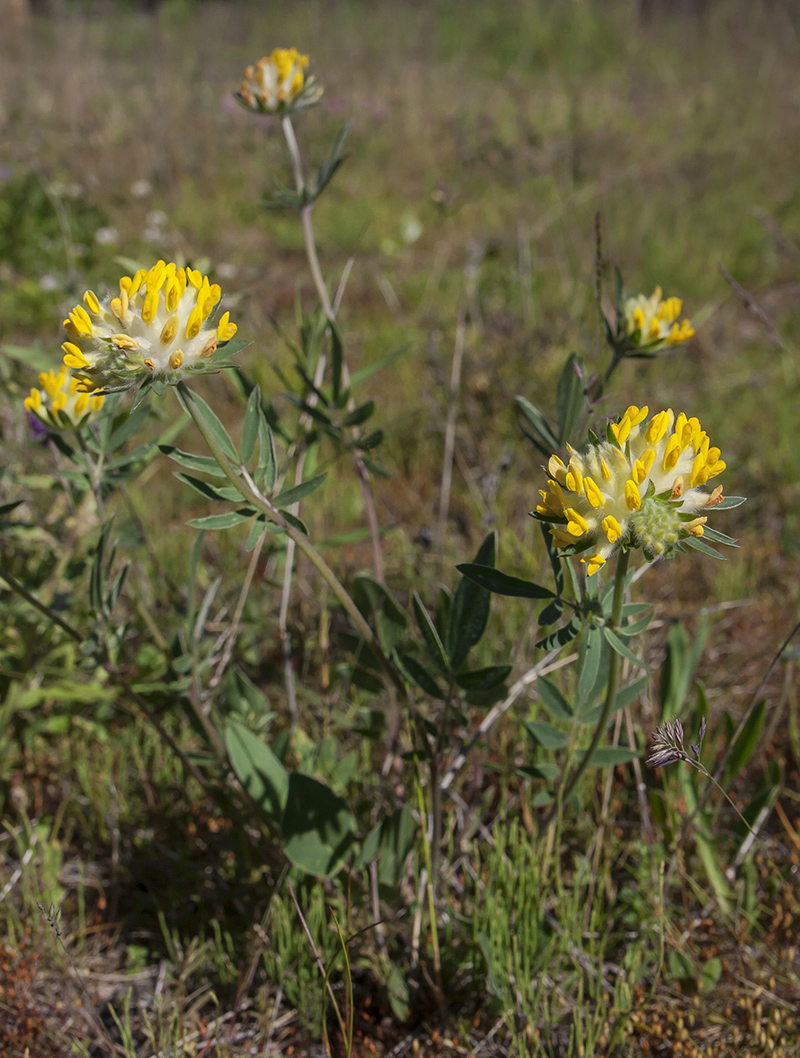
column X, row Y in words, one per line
column 60, row 401
column 642, row 487
column 652, row 323
column 278, row 83
column 156, row 328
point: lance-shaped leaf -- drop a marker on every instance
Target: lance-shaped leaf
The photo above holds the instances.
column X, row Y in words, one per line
column 433, row 644
column 211, row 422
column 417, row 674
column 267, row 469
column 252, row 416
column 542, row 436
column 337, row 362
column 546, row 735
column 211, row 492
column 298, row 492
column 222, row 521
column 469, row 611
column 553, row 700
column 570, row 399
column 744, row 746
column 359, row 414
column 608, row 756
column 617, row 644
column 205, row 464
column 503, row 583
column 483, row 679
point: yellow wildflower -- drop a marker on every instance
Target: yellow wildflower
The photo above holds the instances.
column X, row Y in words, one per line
column 278, row 83
column 60, row 402
column 642, row 487
column 652, row 323
column 156, row 329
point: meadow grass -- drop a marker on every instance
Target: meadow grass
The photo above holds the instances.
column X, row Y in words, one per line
column 485, row 136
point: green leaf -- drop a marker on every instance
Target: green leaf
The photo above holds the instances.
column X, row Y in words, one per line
column 539, row 424
column 337, row 360
column 258, row 770
column 589, row 665
column 561, row 636
column 483, row 679
column 360, row 414
column 205, row 464
column 130, row 425
column 205, row 488
column 416, row 673
column 616, row 644
column 211, row 422
column 698, row 545
column 635, row 628
column 502, row 583
column 267, row 470
column 624, row 697
column 299, row 492
column 718, row 537
column 256, row 529
column 469, row 611
column 548, row 772
column 363, row 373
column 374, row 467
column 681, row 966
column 608, row 756
column 396, row 840
column 727, row 502
column 546, row 735
column 745, row 744
column 250, row 428
column 570, row 399
column 710, row 974
column 433, row 643
column 318, row 829
column 553, row 700
column 222, row 521
column 553, row 555
column 679, row 666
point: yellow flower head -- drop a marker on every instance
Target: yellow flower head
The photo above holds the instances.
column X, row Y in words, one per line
column 156, row 329
column 642, row 487
column 652, row 323
column 278, row 84
column 60, row 403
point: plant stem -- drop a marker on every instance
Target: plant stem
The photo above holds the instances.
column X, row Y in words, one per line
column 330, row 314
column 244, row 484
column 426, row 853
column 611, row 687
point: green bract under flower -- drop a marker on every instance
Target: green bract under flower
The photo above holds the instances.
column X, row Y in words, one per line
column 156, row 330
column 652, row 323
column 60, row 402
column 278, row 84
column 642, row 487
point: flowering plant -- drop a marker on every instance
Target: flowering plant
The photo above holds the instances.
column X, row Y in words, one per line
column 278, row 84
column 156, row 330
column 642, row 487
